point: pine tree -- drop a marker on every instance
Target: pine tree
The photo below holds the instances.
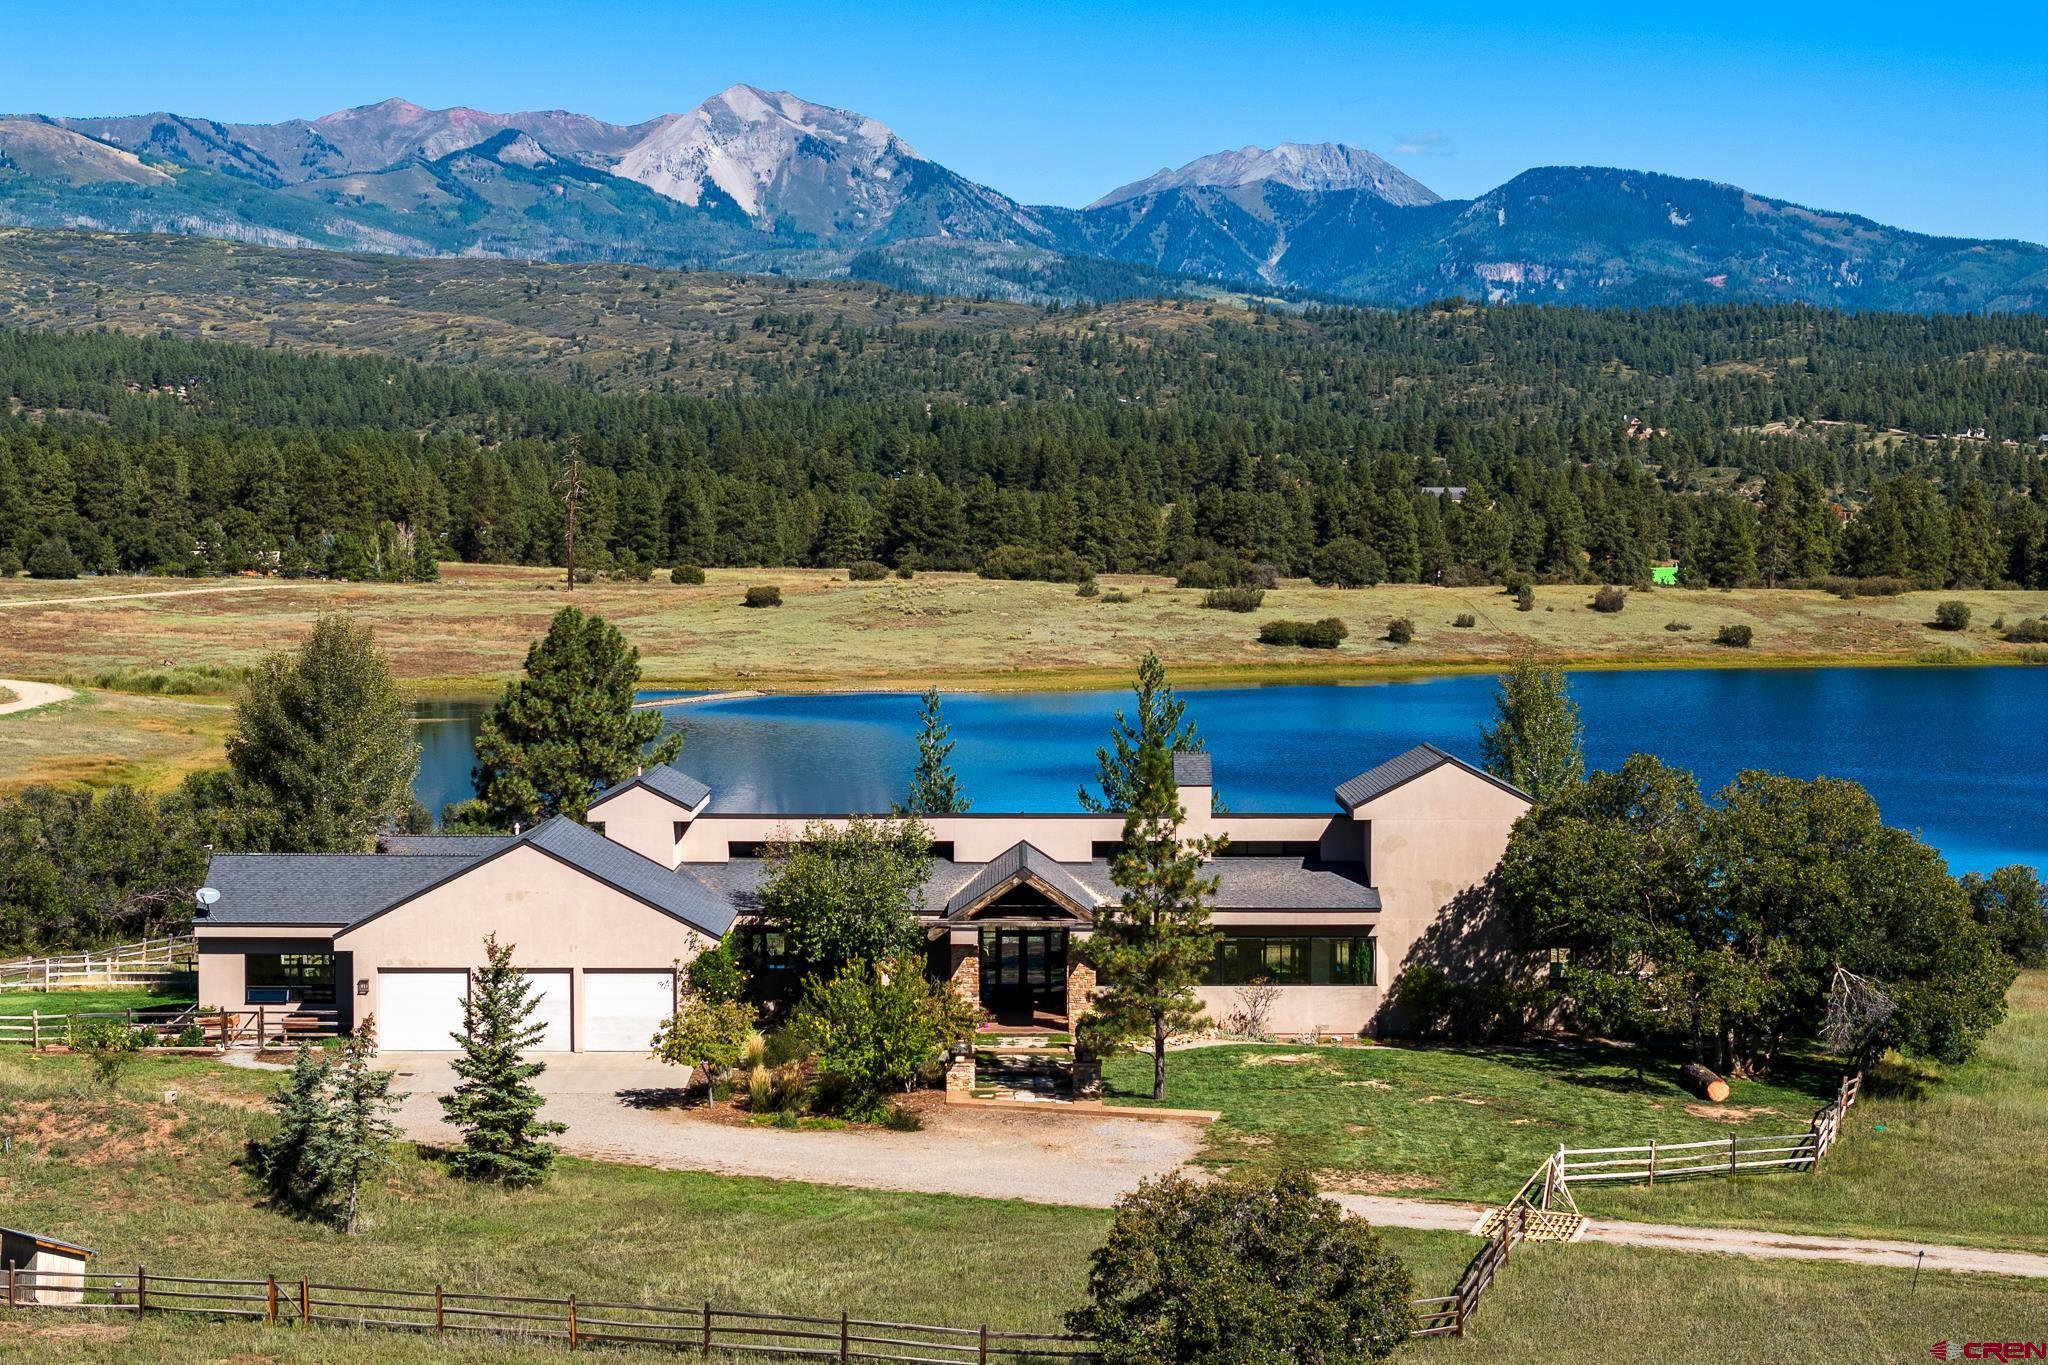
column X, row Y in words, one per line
column 284, row 1159
column 1151, row 949
column 1161, row 716
column 568, row 729
column 349, row 1145
column 323, row 742
column 1535, row 741
column 934, row 788
column 495, row 1104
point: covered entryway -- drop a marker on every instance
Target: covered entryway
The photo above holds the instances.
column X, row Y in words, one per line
column 1024, row 974
column 553, row 1010
column 418, row 1011
column 622, row 1009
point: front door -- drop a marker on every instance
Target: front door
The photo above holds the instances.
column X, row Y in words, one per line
column 1024, row 974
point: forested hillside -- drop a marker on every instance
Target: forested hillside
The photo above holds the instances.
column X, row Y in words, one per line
column 824, row 424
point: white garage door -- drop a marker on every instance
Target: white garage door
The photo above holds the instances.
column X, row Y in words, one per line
column 621, row 1010
column 416, row 1011
column 551, row 1010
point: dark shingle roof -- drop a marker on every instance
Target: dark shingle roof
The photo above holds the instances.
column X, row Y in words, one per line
column 1192, row 770
column 473, row 845
column 1019, row 861
column 1287, row 884
column 57, row 1242
column 664, row 780
column 1374, row 783
column 677, row 893
column 318, row 888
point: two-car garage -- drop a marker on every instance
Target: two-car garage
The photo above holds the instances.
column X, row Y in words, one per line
column 418, row 1009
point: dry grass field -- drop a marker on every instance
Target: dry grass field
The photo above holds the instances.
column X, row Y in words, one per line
column 472, row 628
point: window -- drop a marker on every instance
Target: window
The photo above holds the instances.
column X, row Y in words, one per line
column 757, row 848
column 288, row 978
column 1105, row 848
column 1292, row 960
column 764, row 953
column 942, row 850
column 1271, row 848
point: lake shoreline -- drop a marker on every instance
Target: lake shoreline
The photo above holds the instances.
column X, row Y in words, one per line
column 1198, row 675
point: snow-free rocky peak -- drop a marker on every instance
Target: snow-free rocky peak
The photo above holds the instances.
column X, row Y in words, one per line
column 1311, row 166
column 752, row 143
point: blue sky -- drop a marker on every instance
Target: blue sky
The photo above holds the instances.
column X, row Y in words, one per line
column 1932, row 117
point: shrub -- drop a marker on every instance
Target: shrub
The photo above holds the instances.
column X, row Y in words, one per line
column 1346, row 563
column 1253, row 1268
column 686, row 574
column 764, row 596
column 1324, row 634
column 1400, row 630
column 1952, row 616
column 1943, row 654
column 1736, row 637
column 627, row 569
column 1434, row 1005
column 1021, row 562
column 1233, row 599
column 111, row 1047
column 876, row 1028
column 2032, row 630
column 1610, row 598
column 192, row 1035
column 1678, row 625
column 1211, row 573
column 1261, row 576
column 52, row 559
column 1465, row 621
column 867, row 571
column 1116, row 597
column 2034, row 655
column 905, row 571
column 1089, row 589
column 1525, row 598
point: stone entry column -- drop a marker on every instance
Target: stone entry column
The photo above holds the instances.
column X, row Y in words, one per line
column 965, row 973
column 1080, row 980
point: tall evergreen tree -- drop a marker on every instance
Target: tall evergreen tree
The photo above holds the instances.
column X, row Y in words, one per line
column 495, row 1103
column 1535, row 741
column 284, row 1159
column 1161, row 715
column 934, row 788
column 1151, row 949
column 323, row 743
column 567, row 730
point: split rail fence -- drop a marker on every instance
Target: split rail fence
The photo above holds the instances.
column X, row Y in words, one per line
column 151, row 961
column 1715, row 1156
column 573, row 1321
column 258, row 1027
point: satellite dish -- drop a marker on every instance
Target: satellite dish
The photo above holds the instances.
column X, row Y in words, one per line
column 206, row 895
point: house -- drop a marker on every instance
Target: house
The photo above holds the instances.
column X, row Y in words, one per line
column 42, row 1270
column 1327, row 906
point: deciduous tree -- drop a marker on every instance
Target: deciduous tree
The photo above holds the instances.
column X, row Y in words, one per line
column 1536, row 741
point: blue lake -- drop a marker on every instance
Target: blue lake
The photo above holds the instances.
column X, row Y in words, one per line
column 1959, row 754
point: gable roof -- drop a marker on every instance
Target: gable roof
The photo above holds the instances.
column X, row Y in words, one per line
column 675, row 893
column 1404, row 768
column 1021, row 862
column 663, row 780
column 1193, row 770
column 319, row 888
column 412, row 845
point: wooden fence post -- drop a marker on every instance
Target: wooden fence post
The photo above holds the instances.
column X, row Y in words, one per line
column 1653, row 1161
column 1731, row 1151
column 10, row 1286
column 572, row 1322
column 141, row 1291
column 305, row 1303
column 843, row 1335
column 981, row 1357
column 259, row 1026
column 440, row 1323
column 707, row 1327
column 270, row 1298
column 35, row 1030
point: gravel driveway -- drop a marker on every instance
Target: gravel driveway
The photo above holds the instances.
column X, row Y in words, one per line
column 610, row 1102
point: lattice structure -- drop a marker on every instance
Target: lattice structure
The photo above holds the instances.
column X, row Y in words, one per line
column 1536, row 1225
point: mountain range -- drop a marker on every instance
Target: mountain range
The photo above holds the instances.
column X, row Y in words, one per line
column 765, row 182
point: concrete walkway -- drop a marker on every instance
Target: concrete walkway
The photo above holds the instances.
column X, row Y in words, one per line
column 620, row 1107
column 29, row 695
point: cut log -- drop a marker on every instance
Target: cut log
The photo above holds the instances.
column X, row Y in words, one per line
column 1703, row 1082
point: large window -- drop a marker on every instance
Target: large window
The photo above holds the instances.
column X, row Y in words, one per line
column 288, row 979
column 1292, row 960
column 764, row 953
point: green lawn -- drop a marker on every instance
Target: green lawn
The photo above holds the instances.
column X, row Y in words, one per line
column 91, row 1001
column 141, row 1180
column 1949, row 1155
column 1457, row 1123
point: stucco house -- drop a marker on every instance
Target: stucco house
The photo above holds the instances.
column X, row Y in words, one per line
column 1327, row 906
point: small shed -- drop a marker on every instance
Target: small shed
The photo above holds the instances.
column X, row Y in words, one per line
column 43, row 1269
